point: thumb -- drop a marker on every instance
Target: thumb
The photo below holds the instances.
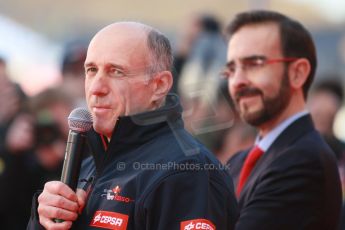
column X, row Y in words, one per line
column 81, row 195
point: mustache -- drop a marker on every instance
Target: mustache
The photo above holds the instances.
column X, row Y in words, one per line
column 247, row 92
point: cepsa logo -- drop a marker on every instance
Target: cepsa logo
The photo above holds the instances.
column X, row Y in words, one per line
column 109, row 220
column 201, row 224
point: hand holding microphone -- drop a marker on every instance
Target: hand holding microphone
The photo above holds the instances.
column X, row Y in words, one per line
column 59, row 203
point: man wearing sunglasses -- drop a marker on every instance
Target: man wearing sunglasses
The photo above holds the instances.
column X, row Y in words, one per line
column 289, row 179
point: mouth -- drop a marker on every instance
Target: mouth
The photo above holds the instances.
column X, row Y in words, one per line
column 100, row 109
column 247, row 94
column 247, row 98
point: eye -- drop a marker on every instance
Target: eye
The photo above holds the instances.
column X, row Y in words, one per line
column 90, row 70
column 228, row 71
column 254, row 62
column 116, row 72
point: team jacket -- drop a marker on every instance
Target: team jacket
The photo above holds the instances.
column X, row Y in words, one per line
column 153, row 175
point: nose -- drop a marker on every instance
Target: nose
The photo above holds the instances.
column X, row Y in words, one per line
column 98, row 85
column 239, row 79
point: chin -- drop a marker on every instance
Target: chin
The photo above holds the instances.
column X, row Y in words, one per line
column 103, row 128
column 254, row 118
column 258, row 118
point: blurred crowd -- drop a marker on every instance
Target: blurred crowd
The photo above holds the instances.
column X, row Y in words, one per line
column 34, row 129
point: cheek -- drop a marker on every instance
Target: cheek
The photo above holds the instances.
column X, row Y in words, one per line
column 138, row 96
column 231, row 89
column 269, row 85
column 121, row 93
column 144, row 94
column 87, row 88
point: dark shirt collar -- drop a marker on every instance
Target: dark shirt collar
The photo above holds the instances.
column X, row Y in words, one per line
column 133, row 131
column 140, row 128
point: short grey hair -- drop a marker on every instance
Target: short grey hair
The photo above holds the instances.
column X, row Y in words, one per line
column 161, row 57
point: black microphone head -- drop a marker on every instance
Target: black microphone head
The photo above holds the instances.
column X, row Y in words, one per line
column 80, row 120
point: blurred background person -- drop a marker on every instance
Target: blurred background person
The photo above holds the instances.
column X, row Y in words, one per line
column 199, row 77
column 11, row 95
column 199, row 57
column 238, row 136
column 72, row 70
column 196, row 26
column 50, row 110
column 210, row 116
column 15, row 174
column 196, row 57
column 33, row 153
column 204, row 56
column 16, row 146
column 324, row 103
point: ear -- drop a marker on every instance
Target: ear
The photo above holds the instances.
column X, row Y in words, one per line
column 162, row 83
column 298, row 72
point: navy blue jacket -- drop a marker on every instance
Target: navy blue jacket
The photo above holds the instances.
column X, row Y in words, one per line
column 154, row 175
column 294, row 185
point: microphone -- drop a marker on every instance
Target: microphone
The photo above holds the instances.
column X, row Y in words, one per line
column 79, row 122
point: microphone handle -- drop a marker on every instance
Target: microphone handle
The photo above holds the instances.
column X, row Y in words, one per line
column 73, row 157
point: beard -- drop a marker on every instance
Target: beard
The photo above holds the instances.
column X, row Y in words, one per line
column 271, row 106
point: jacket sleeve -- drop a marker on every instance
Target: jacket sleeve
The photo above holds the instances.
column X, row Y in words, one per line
column 34, row 223
column 190, row 200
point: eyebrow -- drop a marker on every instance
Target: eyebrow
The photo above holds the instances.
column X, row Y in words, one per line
column 255, row 56
column 88, row 64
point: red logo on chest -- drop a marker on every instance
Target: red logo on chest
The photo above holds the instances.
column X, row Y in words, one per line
column 201, row 224
column 109, row 220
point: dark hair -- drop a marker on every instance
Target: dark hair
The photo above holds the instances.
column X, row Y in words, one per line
column 295, row 39
column 73, row 59
column 160, row 51
column 209, row 24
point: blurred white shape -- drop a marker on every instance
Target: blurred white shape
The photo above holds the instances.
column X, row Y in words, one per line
column 334, row 10
column 32, row 60
column 339, row 124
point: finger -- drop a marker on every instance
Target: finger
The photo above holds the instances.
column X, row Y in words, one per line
column 57, row 187
column 51, row 225
column 81, row 194
column 52, row 212
column 59, row 201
